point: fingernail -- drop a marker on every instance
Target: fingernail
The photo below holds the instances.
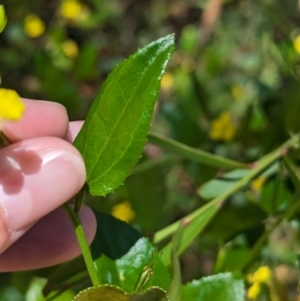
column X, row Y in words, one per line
column 36, row 177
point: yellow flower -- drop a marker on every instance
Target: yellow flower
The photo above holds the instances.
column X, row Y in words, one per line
column 34, row 27
column 70, row 9
column 70, row 48
column 11, row 105
column 262, row 274
column 253, row 291
column 237, row 91
column 123, row 211
column 222, row 128
column 3, row 19
column 258, row 183
column 167, row 82
column 296, row 43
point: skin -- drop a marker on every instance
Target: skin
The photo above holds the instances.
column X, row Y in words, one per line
column 39, row 172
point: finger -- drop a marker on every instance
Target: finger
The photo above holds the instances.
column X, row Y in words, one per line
column 41, row 118
column 73, row 130
column 36, row 176
column 50, row 241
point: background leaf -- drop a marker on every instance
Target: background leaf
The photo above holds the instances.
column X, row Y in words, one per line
column 217, row 186
column 114, row 238
column 131, row 265
column 147, row 187
column 231, row 259
column 114, row 133
column 221, row 287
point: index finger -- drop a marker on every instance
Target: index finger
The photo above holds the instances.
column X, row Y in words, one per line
column 41, row 118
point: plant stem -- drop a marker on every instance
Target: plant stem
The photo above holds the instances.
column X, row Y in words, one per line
column 258, row 168
column 4, row 141
column 194, row 153
column 74, row 217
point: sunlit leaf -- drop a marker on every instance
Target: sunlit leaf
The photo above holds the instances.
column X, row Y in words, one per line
column 129, row 267
column 221, row 287
column 114, row 134
column 215, row 187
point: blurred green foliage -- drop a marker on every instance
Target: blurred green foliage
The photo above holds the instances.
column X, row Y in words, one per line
column 240, row 58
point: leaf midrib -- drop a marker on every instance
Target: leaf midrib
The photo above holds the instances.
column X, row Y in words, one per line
column 132, row 134
column 120, row 116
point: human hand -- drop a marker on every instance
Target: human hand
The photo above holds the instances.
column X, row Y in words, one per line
column 39, row 172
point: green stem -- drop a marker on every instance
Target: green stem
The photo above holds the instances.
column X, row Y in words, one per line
column 258, row 168
column 194, row 153
column 74, row 217
column 155, row 163
column 4, row 141
column 174, row 291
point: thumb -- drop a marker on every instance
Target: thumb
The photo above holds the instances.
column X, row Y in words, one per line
column 36, row 176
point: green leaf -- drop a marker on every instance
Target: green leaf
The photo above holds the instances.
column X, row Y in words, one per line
column 114, row 293
column 114, row 134
column 221, row 287
column 151, row 294
column 84, row 67
column 246, row 215
column 183, row 128
column 21, row 280
column 275, row 196
column 107, row 270
column 258, row 118
column 215, row 187
column 131, row 266
column 136, row 259
column 147, row 188
column 114, row 238
column 9, row 293
column 34, row 290
column 231, row 259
